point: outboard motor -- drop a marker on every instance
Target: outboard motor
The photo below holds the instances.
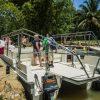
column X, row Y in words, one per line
column 50, row 87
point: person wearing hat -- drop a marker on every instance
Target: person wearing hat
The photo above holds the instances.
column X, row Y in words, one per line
column 36, row 50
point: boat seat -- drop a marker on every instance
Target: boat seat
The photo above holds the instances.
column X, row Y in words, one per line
column 91, row 60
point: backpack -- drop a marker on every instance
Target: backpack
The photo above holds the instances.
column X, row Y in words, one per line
column 52, row 43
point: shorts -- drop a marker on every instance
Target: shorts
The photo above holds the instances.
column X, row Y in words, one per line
column 36, row 52
column 49, row 54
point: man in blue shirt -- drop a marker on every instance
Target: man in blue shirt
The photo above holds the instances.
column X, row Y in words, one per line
column 36, row 49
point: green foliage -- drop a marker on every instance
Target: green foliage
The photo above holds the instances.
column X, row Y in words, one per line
column 38, row 15
column 28, row 14
column 10, row 17
column 42, row 16
column 45, row 16
column 64, row 16
column 89, row 16
column 19, row 2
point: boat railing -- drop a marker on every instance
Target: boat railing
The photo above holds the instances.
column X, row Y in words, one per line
column 31, row 34
column 85, row 38
column 96, row 66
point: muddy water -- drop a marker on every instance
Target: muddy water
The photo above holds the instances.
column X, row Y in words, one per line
column 80, row 95
column 74, row 93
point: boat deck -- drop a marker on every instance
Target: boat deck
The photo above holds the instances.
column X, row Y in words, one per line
column 75, row 75
column 64, row 71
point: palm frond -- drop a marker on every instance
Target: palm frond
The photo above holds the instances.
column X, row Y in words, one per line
column 89, row 15
column 98, row 4
column 94, row 4
column 95, row 22
column 86, row 3
column 84, row 8
column 82, row 23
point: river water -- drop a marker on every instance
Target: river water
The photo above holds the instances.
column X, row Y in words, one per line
column 73, row 93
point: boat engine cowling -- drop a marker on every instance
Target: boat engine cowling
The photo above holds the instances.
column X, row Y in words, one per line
column 49, row 86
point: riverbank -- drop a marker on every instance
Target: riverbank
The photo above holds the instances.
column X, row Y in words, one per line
column 10, row 87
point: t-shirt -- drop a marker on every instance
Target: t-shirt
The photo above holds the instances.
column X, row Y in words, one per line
column 34, row 43
column 49, row 42
column 45, row 41
column 46, row 44
column 2, row 44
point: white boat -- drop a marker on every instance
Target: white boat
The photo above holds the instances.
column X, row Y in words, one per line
column 75, row 72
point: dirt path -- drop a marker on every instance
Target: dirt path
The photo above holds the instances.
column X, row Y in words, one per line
column 10, row 87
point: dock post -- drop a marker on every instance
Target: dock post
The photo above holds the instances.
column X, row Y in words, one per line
column 7, row 46
column 19, row 48
column 7, row 69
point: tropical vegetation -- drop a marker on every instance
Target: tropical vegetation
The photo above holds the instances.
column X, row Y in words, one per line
column 43, row 16
column 88, row 16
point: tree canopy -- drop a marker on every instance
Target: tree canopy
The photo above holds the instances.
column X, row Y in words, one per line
column 88, row 17
column 44, row 16
column 11, row 17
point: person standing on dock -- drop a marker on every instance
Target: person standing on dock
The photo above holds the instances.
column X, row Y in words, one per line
column 36, row 50
column 24, row 41
column 49, row 46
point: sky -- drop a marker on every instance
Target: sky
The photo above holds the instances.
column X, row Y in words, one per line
column 77, row 3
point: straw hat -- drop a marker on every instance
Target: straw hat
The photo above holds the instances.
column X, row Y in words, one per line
column 36, row 35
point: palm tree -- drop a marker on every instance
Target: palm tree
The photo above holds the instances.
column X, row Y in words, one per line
column 89, row 15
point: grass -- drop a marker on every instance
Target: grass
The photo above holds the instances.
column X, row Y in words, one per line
column 1, row 97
